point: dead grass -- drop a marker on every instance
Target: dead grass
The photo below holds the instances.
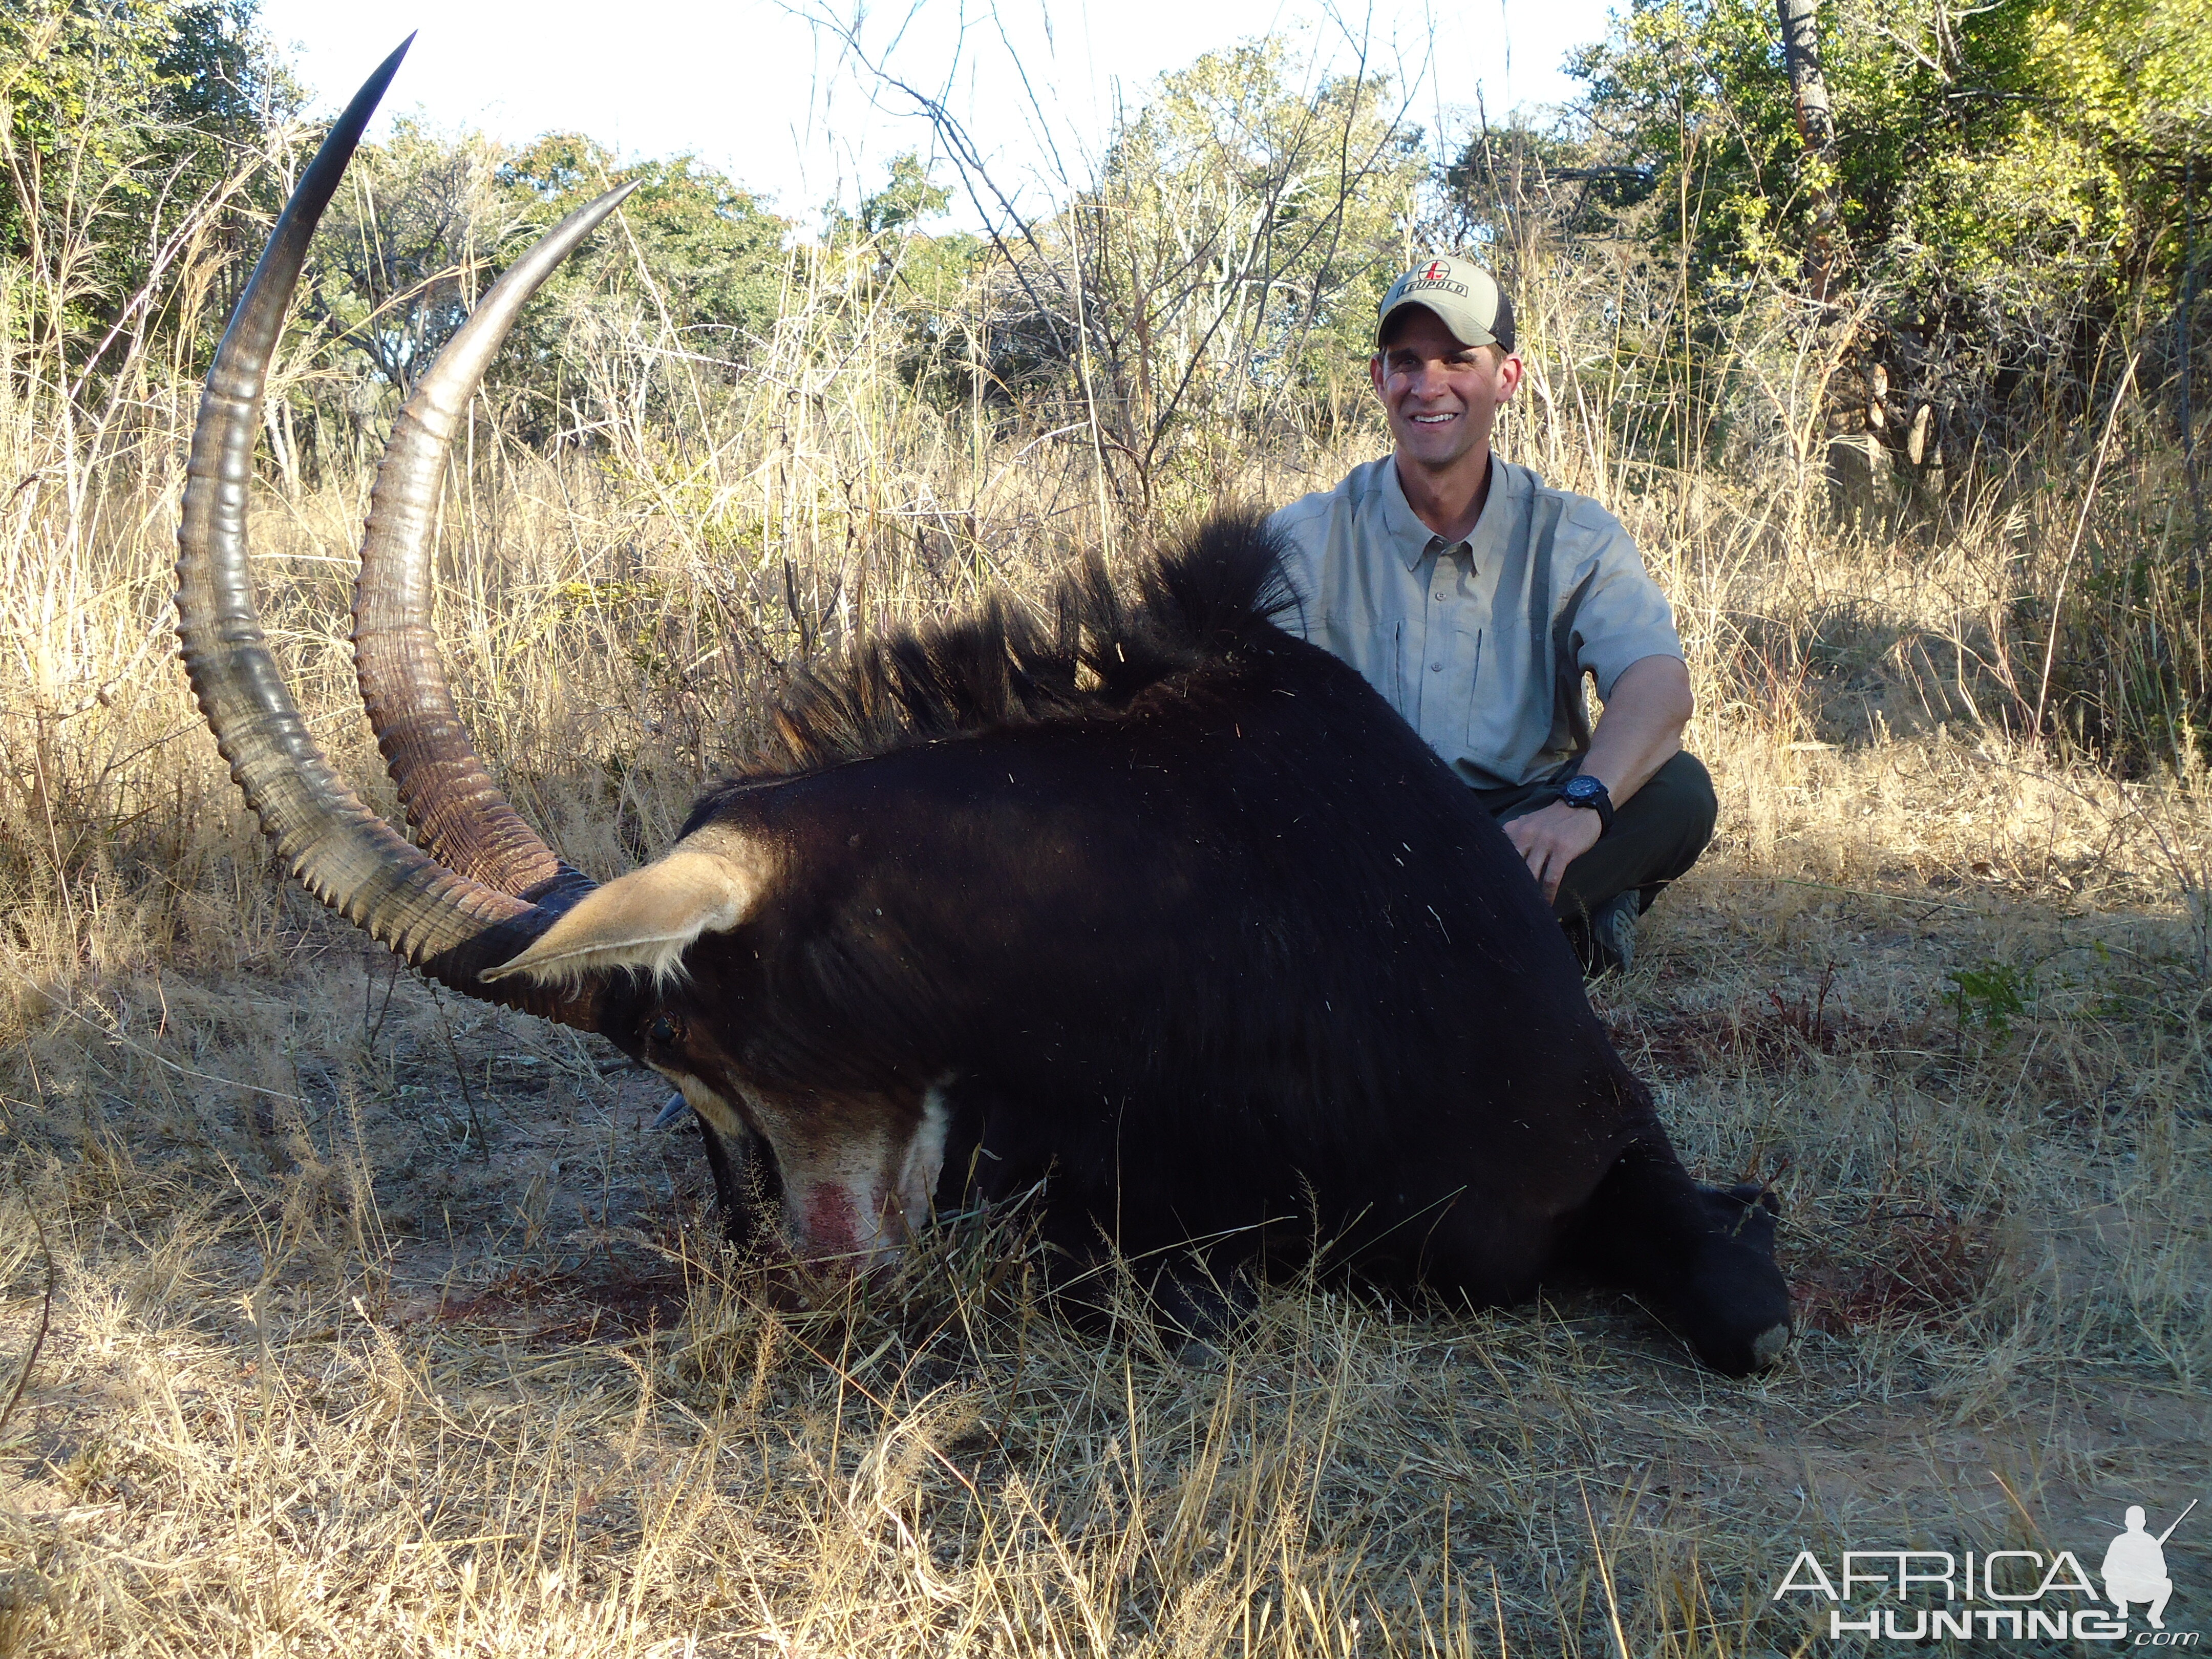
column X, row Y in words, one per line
column 381, row 1323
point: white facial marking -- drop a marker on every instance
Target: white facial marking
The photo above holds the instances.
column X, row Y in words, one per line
column 836, row 1201
column 924, row 1159
column 705, row 1101
column 862, row 1193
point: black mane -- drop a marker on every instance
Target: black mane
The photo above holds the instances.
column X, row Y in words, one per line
column 1193, row 603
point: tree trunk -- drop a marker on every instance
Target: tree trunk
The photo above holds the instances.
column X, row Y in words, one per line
column 1816, row 125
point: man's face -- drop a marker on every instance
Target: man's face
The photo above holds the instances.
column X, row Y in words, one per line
column 1442, row 397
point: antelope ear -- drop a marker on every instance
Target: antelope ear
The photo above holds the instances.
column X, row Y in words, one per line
column 643, row 921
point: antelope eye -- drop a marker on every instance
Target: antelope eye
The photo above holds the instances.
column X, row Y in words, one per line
column 664, row 1032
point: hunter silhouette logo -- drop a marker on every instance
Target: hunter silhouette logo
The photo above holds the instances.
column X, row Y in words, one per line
column 2000, row 1596
column 2134, row 1567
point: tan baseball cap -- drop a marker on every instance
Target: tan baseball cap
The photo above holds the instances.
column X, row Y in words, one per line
column 1465, row 297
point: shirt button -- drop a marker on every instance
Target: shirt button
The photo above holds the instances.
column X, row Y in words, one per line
column 1435, row 668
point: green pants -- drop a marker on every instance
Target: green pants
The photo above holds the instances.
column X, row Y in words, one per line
column 1654, row 837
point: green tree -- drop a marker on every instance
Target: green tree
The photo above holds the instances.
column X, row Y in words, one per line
column 421, row 229
column 1225, row 268
column 692, row 271
column 129, row 129
column 925, row 279
column 2004, row 163
column 908, row 197
column 712, row 254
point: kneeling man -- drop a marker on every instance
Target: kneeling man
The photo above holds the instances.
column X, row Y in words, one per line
column 1474, row 598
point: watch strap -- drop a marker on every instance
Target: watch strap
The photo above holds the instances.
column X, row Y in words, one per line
column 1598, row 799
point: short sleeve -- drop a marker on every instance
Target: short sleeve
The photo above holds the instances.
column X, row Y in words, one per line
column 1621, row 617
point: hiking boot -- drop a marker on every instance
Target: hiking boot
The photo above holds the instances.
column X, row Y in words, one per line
column 1607, row 942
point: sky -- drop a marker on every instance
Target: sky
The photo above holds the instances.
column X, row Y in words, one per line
column 771, row 96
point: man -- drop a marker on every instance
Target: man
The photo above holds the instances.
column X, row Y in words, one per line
column 1475, row 598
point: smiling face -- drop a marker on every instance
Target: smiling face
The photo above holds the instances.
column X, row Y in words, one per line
column 1442, row 397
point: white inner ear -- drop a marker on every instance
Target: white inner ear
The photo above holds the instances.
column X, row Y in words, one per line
column 647, row 920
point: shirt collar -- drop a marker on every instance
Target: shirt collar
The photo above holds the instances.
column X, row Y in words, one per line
column 1493, row 529
column 1408, row 534
column 1415, row 540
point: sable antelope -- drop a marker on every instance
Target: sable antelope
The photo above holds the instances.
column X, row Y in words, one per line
column 1155, row 905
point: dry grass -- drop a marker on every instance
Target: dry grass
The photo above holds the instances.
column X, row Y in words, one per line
column 381, row 1322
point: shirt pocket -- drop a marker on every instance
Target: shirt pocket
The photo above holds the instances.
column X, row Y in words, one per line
column 1510, row 710
column 1469, row 671
column 1382, row 662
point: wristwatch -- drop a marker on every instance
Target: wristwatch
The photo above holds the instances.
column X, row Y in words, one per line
column 1583, row 790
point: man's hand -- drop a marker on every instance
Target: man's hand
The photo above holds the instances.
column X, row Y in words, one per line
column 1552, row 838
column 1640, row 731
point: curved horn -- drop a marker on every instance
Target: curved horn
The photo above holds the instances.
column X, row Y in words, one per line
column 460, row 816
column 348, row 857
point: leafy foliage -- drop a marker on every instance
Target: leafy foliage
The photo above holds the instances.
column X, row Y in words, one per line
column 2003, row 167
column 1992, row 996
column 1229, row 258
column 923, row 279
column 125, row 126
column 711, row 253
column 429, row 220
column 1994, row 322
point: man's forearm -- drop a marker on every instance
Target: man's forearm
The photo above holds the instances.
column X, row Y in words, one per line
column 1641, row 729
column 1640, row 732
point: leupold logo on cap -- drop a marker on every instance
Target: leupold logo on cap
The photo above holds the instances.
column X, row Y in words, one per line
column 1438, row 276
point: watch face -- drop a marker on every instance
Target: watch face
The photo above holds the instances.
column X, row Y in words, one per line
column 1580, row 788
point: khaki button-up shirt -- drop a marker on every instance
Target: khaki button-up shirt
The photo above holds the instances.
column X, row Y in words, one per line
column 1480, row 644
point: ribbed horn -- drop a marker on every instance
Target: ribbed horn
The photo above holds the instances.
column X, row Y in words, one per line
column 460, row 817
column 348, row 857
